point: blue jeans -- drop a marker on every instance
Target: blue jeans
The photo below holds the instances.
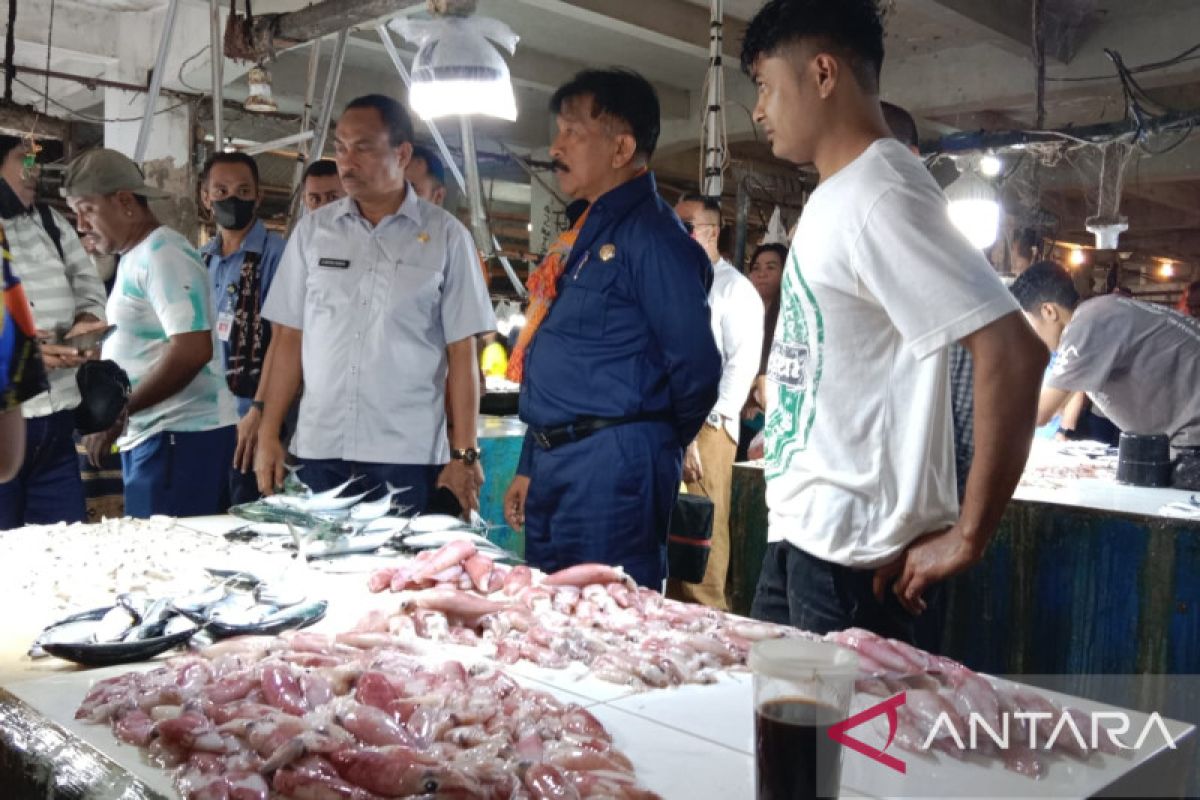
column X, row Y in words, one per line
column 179, row 474
column 323, row 474
column 48, row 488
column 806, row 592
column 605, row 499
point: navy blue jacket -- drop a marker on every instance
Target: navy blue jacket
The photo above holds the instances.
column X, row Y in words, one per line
column 629, row 332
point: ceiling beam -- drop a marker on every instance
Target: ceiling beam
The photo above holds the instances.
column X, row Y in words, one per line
column 271, row 33
column 675, row 24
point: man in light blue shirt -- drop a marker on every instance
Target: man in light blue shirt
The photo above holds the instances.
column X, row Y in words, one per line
column 241, row 260
column 377, row 303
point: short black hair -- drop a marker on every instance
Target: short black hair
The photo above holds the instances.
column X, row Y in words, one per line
column 1025, row 240
column 433, row 164
column 901, row 124
column 229, row 158
column 321, row 168
column 619, row 93
column 10, row 143
column 393, row 114
column 707, row 203
column 1045, row 282
column 770, row 247
column 849, row 29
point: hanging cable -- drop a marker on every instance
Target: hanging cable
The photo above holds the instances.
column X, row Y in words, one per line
column 49, row 40
column 10, row 46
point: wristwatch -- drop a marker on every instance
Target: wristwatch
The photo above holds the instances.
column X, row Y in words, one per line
column 468, row 456
column 714, row 419
column 258, row 404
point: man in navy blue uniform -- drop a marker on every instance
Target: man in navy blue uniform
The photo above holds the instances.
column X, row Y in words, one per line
column 623, row 369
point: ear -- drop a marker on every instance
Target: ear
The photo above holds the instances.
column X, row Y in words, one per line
column 625, row 152
column 404, row 153
column 439, row 195
column 205, row 198
column 1048, row 312
column 125, row 202
column 825, row 71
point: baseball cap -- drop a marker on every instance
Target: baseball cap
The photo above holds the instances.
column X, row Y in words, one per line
column 103, row 171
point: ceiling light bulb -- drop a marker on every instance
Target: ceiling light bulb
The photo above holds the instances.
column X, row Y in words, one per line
column 1077, row 257
column 990, row 165
column 1168, row 269
column 974, row 209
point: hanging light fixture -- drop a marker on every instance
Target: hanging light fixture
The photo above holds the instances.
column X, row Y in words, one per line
column 974, row 208
column 260, row 98
column 458, row 69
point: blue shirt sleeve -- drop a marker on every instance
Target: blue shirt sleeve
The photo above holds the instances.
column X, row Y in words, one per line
column 674, row 276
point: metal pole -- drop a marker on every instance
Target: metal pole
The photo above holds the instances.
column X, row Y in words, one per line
column 331, row 84
column 743, row 218
column 474, row 189
column 390, row 46
column 275, row 144
column 714, row 140
column 217, row 57
column 310, row 89
column 164, row 46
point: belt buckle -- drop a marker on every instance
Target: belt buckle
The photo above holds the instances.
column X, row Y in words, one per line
column 541, row 439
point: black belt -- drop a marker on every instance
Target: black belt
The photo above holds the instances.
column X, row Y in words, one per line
column 550, row 438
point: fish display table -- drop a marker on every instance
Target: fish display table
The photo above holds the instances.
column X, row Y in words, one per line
column 690, row 741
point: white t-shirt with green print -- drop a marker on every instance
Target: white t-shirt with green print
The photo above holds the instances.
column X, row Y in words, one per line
column 161, row 290
column 878, row 284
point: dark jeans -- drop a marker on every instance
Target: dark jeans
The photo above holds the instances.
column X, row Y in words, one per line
column 243, row 487
column 806, row 592
column 179, row 474
column 48, row 488
column 323, row 474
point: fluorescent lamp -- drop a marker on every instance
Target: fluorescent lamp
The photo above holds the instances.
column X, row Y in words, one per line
column 974, row 209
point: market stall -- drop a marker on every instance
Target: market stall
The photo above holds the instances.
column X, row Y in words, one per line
column 687, row 736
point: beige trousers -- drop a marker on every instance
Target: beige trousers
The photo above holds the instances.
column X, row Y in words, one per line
column 717, row 451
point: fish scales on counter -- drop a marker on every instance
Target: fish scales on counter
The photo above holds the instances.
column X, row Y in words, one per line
column 309, row 715
column 589, row 614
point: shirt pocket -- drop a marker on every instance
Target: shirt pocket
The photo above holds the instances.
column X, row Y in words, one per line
column 591, row 289
column 415, row 293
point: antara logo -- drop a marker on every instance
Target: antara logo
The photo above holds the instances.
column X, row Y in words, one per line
column 1068, row 724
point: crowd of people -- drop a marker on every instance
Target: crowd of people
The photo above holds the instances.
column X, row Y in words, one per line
column 894, row 429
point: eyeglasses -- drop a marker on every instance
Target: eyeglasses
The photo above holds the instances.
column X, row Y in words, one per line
column 690, row 227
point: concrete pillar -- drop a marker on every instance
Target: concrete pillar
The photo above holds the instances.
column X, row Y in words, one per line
column 546, row 214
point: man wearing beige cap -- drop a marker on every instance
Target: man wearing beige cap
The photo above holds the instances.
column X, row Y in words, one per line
column 178, row 440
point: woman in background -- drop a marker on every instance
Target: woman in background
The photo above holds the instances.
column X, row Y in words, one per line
column 766, row 273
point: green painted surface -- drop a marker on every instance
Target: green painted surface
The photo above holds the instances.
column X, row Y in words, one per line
column 499, row 456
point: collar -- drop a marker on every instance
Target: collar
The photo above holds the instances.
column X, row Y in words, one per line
column 411, row 207
column 616, row 202
column 255, row 241
column 11, row 205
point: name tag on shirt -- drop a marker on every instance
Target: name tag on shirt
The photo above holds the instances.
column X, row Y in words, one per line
column 224, row 325
column 334, row 263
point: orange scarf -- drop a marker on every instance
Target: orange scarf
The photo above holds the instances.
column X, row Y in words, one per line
column 543, row 289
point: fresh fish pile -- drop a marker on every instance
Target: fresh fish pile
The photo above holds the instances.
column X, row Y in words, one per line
column 935, row 685
column 264, row 609
column 133, row 630
column 356, row 716
column 590, row 614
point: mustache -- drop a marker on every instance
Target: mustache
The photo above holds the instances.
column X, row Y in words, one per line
column 558, row 166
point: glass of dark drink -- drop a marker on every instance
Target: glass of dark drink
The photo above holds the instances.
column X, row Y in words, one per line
column 801, row 688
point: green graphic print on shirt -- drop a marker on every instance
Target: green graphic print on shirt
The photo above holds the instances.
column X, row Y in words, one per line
column 793, row 371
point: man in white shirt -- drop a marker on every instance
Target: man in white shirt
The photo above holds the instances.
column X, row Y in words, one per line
column 377, row 303
column 67, row 297
column 737, row 327
column 878, row 285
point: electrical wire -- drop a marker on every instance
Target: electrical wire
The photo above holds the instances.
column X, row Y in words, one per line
column 183, row 66
column 92, row 120
column 1191, row 54
column 49, row 41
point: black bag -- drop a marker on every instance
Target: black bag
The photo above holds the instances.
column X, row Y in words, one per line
column 104, row 389
column 689, row 538
column 249, row 335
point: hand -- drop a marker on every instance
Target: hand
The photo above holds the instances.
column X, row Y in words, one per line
column 514, row 502
column 247, row 440
column 464, row 481
column 693, row 470
column 931, row 558
column 57, row 356
column 269, row 460
column 758, row 447
column 99, row 445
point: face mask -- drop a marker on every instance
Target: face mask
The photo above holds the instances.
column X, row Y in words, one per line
column 233, row 213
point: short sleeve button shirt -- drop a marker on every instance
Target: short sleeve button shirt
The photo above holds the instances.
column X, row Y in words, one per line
column 377, row 307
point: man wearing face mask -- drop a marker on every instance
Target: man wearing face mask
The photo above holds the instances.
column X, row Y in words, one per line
column 241, row 259
column 66, row 296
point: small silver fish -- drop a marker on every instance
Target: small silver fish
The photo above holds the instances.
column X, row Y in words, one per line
column 377, row 508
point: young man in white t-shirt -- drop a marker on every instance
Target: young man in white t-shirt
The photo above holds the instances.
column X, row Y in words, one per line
column 860, row 467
